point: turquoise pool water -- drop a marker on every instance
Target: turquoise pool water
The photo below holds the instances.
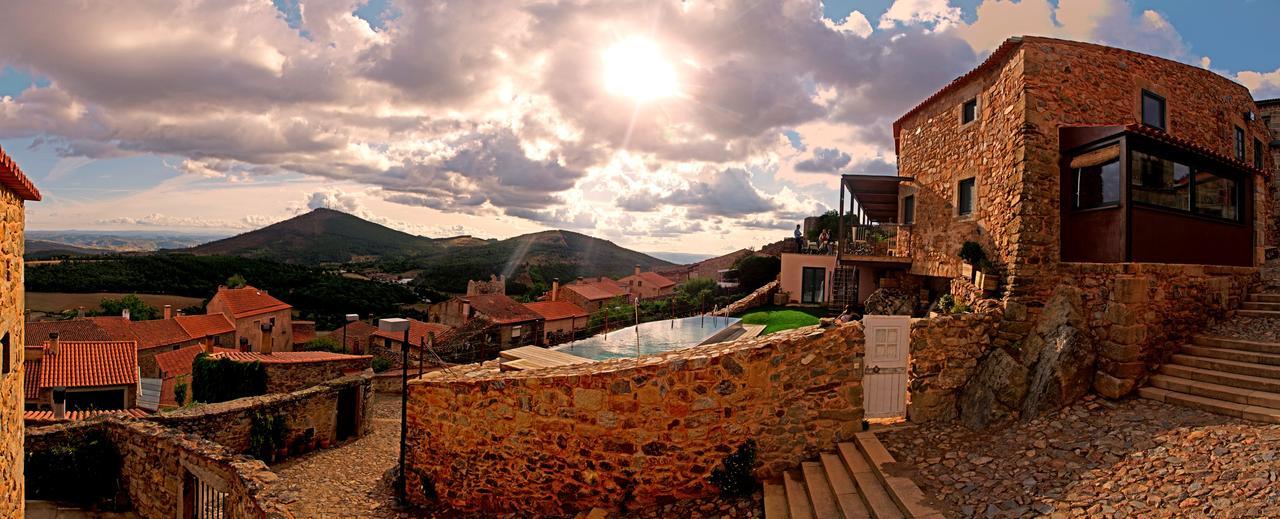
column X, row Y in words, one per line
column 648, row 338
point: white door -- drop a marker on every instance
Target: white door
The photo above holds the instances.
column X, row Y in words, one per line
column 884, row 383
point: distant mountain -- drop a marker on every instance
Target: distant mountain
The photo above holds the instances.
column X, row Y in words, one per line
column 682, row 258
column 41, row 249
column 320, row 236
column 123, row 241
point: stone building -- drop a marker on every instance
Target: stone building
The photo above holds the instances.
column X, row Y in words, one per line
column 15, row 190
column 512, row 323
column 262, row 322
column 82, row 376
column 495, row 285
column 648, row 285
column 1270, row 109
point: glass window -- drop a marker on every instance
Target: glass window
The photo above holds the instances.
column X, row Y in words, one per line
column 1240, row 144
column 1153, row 110
column 1217, row 196
column 1257, row 153
column 966, row 196
column 1160, row 182
column 969, row 111
column 1097, row 186
column 909, row 209
column 812, row 281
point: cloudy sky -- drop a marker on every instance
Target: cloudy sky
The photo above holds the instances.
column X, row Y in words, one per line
column 694, row 126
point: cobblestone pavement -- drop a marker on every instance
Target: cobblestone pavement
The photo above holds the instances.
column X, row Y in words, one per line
column 348, row 480
column 1266, row 329
column 1097, row 458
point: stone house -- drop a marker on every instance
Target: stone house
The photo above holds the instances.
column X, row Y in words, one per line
column 1270, row 109
column 262, row 322
column 392, row 343
column 153, row 337
column 563, row 320
column 175, row 369
column 513, row 323
column 15, row 191
column 590, row 294
column 648, row 285
column 82, row 376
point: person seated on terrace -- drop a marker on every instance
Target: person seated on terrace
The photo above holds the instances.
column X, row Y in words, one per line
column 824, row 241
column 848, row 315
column 799, row 240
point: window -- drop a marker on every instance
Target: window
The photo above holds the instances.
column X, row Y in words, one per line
column 1257, row 153
column 1097, row 186
column 1160, row 182
column 515, row 331
column 909, row 209
column 1217, row 196
column 1240, row 144
column 812, row 285
column 4, row 350
column 1153, row 110
column 969, row 111
column 966, row 195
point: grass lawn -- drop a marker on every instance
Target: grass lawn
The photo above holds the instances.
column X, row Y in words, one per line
column 777, row 318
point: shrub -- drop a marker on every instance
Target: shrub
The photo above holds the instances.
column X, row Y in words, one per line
column 380, row 364
column 222, row 379
column 83, row 469
column 266, row 434
column 180, row 393
column 733, row 476
column 138, row 309
column 327, row 343
column 757, row 271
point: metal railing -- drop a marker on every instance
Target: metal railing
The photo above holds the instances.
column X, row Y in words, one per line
column 887, row 239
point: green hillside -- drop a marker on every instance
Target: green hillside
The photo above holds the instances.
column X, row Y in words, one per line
column 320, row 236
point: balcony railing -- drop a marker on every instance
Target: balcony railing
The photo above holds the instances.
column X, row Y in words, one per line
column 892, row 240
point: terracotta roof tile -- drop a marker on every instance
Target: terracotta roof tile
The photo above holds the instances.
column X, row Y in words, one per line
column 200, row 326
column 303, row 331
column 89, row 364
column 287, row 357
column 556, row 310
column 12, row 178
column 47, row 416
column 418, row 332
column 652, row 278
column 249, row 301
column 359, row 331
column 500, row 308
column 31, row 379
column 158, row 332
column 178, row 362
column 71, row 330
column 1187, row 145
column 596, row 290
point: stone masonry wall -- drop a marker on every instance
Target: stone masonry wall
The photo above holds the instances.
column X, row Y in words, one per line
column 760, row 297
column 287, row 377
column 11, row 321
column 155, row 460
column 637, row 432
column 314, row 408
column 1271, row 113
column 945, row 351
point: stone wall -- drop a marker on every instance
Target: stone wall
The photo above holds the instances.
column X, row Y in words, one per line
column 285, row 377
column 634, row 432
column 759, row 297
column 1271, row 113
column 945, row 351
column 312, row 409
column 11, row 319
column 155, row 462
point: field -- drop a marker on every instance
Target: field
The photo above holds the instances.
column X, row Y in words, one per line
column 777, row 319
column 53, row 302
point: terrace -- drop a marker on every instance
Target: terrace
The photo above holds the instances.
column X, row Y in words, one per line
column 876, row 223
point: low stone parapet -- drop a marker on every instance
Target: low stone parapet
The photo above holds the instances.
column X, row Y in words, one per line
column 633, row 432
column 759, row 297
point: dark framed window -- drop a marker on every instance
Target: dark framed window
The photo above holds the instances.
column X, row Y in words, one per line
column 1160, row 182
column 8, row 355
column 1240, row 144
column 1266, row 121
column 1217, row 196
column 1257, row 153
column 1097, row 186
column 966, row 196
column 1153, row 110
column 813, row 285
column 909, row 209
column 969, row 111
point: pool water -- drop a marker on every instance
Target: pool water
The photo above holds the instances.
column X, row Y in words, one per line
column 648, row 338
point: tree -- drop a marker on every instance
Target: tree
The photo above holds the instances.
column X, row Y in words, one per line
column 236, row 281
column 757, row 271
column 138, row 309
column 327, row 343
column 698, row 292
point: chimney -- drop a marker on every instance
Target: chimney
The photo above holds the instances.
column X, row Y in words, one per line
column 168, row 312
column 555, row 289
column 80, row 312
column 466, row 311
column 60, row 403
column 637, row 270
column 54, row 343
column 207, row 346
column 125, row 314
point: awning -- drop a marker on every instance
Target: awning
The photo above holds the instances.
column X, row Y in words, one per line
column 876, row 195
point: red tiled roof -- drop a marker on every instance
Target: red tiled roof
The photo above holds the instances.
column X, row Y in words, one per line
column 303, row 331
column 71, row 330
column 89, row 364
column 47, row 416
column 652, row 278
column 249, row 301
column 200, row 326
column 500, row 309
column 31, row 379
column 12, row 178
column 556, row 310
column 418, row 332
column 178, row 362
column 1187, row 145
column 287, row 357
column 360, row 331
column 596, row 290
column 158, row 332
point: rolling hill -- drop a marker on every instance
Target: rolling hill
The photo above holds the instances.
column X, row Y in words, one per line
column 41, row 249
column 320, row 236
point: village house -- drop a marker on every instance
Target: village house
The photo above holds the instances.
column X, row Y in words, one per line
column 175, row 369
column 262, row 322
column 81, row 376
column 420, row 334
column 356, row 336
column 563, row 321
column 15, row 190
column 513, row 324
column 153, row 337
column 648, row 285
column 590, row 294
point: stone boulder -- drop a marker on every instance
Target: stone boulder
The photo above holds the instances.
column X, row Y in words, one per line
column 995, row 392
column 1061, row 354
column 890, row 301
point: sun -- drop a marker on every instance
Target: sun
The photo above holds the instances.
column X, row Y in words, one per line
column 635, row 68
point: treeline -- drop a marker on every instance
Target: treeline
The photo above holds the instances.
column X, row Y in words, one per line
column 317, row 294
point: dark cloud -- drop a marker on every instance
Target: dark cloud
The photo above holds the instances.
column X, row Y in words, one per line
column 729, row 193
column 824, row 160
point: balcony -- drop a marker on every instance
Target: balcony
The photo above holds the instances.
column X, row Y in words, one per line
column 869, row 230
column 888, row 240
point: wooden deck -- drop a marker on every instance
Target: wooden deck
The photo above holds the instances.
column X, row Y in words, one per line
column 534, row 357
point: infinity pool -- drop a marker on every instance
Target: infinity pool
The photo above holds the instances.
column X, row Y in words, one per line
column 648, row 338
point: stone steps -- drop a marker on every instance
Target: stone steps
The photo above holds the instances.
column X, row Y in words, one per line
column 1229, row 366
column 856, row 481
column 1270, row 359
column 1256, row 305
column 1264, row 298
column 1217, row 391
column 1222, row 377
column 1236, row 344
column 1258, row 313
column 1227, row 376
column 1212, row 405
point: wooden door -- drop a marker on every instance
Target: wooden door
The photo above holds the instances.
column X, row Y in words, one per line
column 884, row 382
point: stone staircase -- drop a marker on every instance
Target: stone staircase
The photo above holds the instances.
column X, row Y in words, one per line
column 1233, row 377
column 853, row 482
